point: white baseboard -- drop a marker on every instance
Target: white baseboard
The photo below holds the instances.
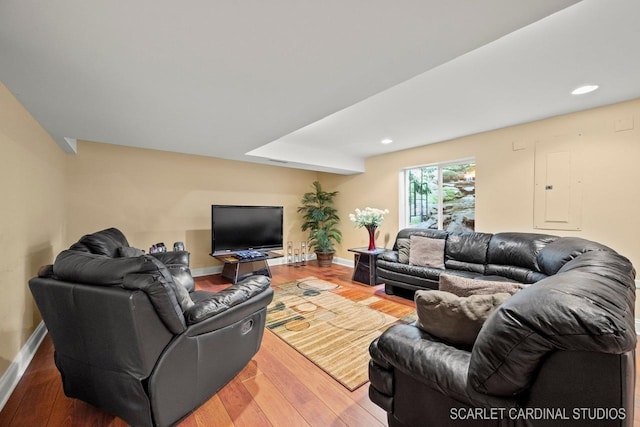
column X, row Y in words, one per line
column 12, row 376
column 343, row 261
column 206, row 271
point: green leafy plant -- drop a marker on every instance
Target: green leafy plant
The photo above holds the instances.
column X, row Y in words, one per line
column 321, row 219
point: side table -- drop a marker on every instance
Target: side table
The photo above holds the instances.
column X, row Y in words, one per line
column 364, row 265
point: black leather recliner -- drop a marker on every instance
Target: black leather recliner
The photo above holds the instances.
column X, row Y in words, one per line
column 560, row 352
column 131, row 339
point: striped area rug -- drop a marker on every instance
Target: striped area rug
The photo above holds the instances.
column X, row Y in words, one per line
column 333, row 326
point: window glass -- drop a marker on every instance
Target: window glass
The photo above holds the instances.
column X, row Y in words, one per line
column 441, row 196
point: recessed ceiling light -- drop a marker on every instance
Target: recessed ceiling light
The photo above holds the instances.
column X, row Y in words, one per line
column 387, row 141
column 584, row 89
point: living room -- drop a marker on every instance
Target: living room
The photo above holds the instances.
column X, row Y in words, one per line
column 52, row 198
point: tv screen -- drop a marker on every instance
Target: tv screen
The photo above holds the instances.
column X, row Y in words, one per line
column 239, row 228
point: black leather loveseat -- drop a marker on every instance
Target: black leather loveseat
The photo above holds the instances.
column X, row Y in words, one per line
column 559, row 352
column 131, row 339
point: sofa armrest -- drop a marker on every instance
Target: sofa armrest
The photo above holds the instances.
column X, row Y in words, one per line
column 207, row 306
column 390, row 256
column 434, row 363
column 412, row 350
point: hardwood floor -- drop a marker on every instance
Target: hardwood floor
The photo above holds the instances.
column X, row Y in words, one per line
column 279, row 387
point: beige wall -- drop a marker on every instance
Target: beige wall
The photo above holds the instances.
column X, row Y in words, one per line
column 157, row 196
column 505, row 179
column 32, row 218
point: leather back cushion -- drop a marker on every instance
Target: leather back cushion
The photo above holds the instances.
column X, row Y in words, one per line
column 406, row 233
column 557, row 253
column 105, row 242
column 515, row 255
column 93, row 269
column 144, row 272
column 517, row 249
column 467, row 251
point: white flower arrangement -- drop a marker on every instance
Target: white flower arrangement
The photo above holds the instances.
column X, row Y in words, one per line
column 368, row 217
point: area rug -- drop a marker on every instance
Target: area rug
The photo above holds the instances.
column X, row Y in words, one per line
column 333, row 326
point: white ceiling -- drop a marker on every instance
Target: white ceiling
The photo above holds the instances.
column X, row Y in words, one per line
column 314, row 84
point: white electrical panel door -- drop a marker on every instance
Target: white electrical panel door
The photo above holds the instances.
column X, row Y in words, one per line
column 558, row 184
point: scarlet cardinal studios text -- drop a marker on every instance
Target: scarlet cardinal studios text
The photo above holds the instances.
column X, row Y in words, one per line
column 537, row 413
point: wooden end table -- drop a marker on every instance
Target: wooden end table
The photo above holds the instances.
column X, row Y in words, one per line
column 364, row 265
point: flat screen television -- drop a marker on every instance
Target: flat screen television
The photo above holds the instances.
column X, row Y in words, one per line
column 239, row 228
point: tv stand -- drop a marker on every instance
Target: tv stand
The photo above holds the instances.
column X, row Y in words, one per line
column 235, row 269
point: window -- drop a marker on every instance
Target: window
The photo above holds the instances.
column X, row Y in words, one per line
column 441, row 196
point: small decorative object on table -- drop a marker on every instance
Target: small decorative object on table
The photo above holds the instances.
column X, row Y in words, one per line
column 158, row 247
column 303, row 253
column 296, row 257
column 289, row 253
column 370, row 218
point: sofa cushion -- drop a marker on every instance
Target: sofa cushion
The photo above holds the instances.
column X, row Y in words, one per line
column 128, row 251
column 403, row 250
column 406, row 233
column 94, row 269
column 517, row 249
column 455, row 319
column 427, row 252
column 557, row 253
column 104, row 242
column 209, row 304
column 467, row 251
column 464, row 286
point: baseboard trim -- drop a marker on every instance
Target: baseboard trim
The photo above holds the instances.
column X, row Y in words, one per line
column 206, row 271
column 343, row 261
column 14, row 373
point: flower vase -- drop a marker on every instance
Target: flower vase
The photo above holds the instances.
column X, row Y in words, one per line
column 372, row 236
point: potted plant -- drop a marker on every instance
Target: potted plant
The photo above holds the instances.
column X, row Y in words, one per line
column 321, row 219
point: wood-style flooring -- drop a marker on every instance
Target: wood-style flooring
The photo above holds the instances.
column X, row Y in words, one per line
column 279, row 387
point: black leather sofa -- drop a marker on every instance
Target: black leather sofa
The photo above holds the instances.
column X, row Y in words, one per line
column 133, row 338
column 517, row 257
column 560, row 352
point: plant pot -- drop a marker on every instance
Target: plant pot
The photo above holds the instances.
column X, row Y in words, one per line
column 324, row 259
